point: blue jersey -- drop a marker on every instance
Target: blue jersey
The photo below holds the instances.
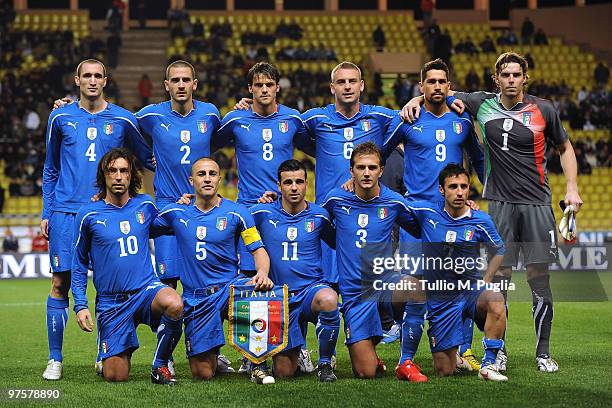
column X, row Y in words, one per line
column 207, row 240
column 336, row 136
column 76, row 141
column 115, row 242
column 178, row 141
column 429, row 145
column 445, row 237
column 294, row 242
column 363, row 230
column 262, row 143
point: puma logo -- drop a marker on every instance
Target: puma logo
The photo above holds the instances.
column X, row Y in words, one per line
column 347, row 209
column 73, row 124
column 101, row 222
column 273, row 223
column 184, row 221
column 246, row 127
column 165, row 126
column 331, row 129
column 419, row 128
column 434, row 223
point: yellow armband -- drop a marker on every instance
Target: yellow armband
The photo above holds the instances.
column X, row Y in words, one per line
column 250, row 235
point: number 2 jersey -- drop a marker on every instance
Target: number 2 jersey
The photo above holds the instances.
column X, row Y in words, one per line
column 76, row 141
column 115, row 241
column 178, row 141
column 207, row 240
column 293, row 242
column 515, row 145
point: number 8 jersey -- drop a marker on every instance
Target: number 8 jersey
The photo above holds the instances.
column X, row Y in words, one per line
column 262, row 143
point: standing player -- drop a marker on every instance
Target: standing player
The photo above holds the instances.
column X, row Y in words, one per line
column 439, row 137
column 207, row 234
column 181, row 130
column 516, row 128
column 451, row 231
column 113, row 237
column 292, row 230
column 77, row 136
column 364, row 221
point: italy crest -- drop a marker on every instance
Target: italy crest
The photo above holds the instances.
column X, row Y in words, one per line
column 108, row 128
column 283, row 126
column 140, row 217
column 202, row 126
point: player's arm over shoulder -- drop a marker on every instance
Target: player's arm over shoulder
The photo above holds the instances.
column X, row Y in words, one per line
column 473, row 100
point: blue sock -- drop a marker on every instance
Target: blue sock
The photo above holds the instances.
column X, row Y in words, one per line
column 168, row 335
column 412, row 329
column 328, row 326
column 57, row 316
column 491, row 347
column 468, row 334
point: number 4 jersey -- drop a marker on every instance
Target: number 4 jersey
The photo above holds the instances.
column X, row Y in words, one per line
column 515, row 145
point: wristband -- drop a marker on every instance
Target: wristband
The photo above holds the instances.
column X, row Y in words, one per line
column 450, row 99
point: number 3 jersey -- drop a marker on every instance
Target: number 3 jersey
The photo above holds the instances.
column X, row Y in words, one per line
column 76, row 141
column 178, row 141
column 363, row 231
column 207, row 240
column 115, row 242
column 293, row 242
column 262, row 143
column 515, row 145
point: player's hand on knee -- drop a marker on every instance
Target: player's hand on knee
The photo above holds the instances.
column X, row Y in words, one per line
column 262, row 281
column 58, row 103
column 243, row 104
column 268, row 197
column 348, row 185
column 410, row 112
column 185, row 199
column 472, row 204
column 84, row 320
column 458, row 106
column 44, row 228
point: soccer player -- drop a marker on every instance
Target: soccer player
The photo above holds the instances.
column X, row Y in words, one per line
column 364, row 221
column 439, row 137
column 181, row 129
column 516, row 129
column 263, row 137
column 451, row 231
column 292, row 229
column 78, row 135
column 113, row 237
column 207, row 234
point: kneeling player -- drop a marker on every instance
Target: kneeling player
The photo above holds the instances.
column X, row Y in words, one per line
column 207, row 234
column 113, row 234
column 451, row 232
column 292, row 230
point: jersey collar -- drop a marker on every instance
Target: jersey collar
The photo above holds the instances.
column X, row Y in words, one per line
column 380, row 192
column 270, row 115
column 468, row 214
column 498, row 99
column 282, row 209
column 352, row 117
column 185, row 115
column 213, row 207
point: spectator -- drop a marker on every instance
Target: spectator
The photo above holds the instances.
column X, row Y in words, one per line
column 487, row 45
column 379, row 38
column 141, row 8
column 530, row 61
column 1, row 198
column 427, row 8
column 145, row 88
column 487, row 79
column 443, row 46
column 472, row 81
column 39, row 243
column 540, row 38
column 527, row 31
column 10, row 243
column 602, row 74
column 198, row 28
column 31, row 120
column 113, row 43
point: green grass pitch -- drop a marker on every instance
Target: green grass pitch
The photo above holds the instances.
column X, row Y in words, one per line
column 581, row 343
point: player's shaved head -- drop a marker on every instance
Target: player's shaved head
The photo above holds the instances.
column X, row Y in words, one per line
column 201, row 161
column 90, row 61
column 345, row 65
column 180, row 64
